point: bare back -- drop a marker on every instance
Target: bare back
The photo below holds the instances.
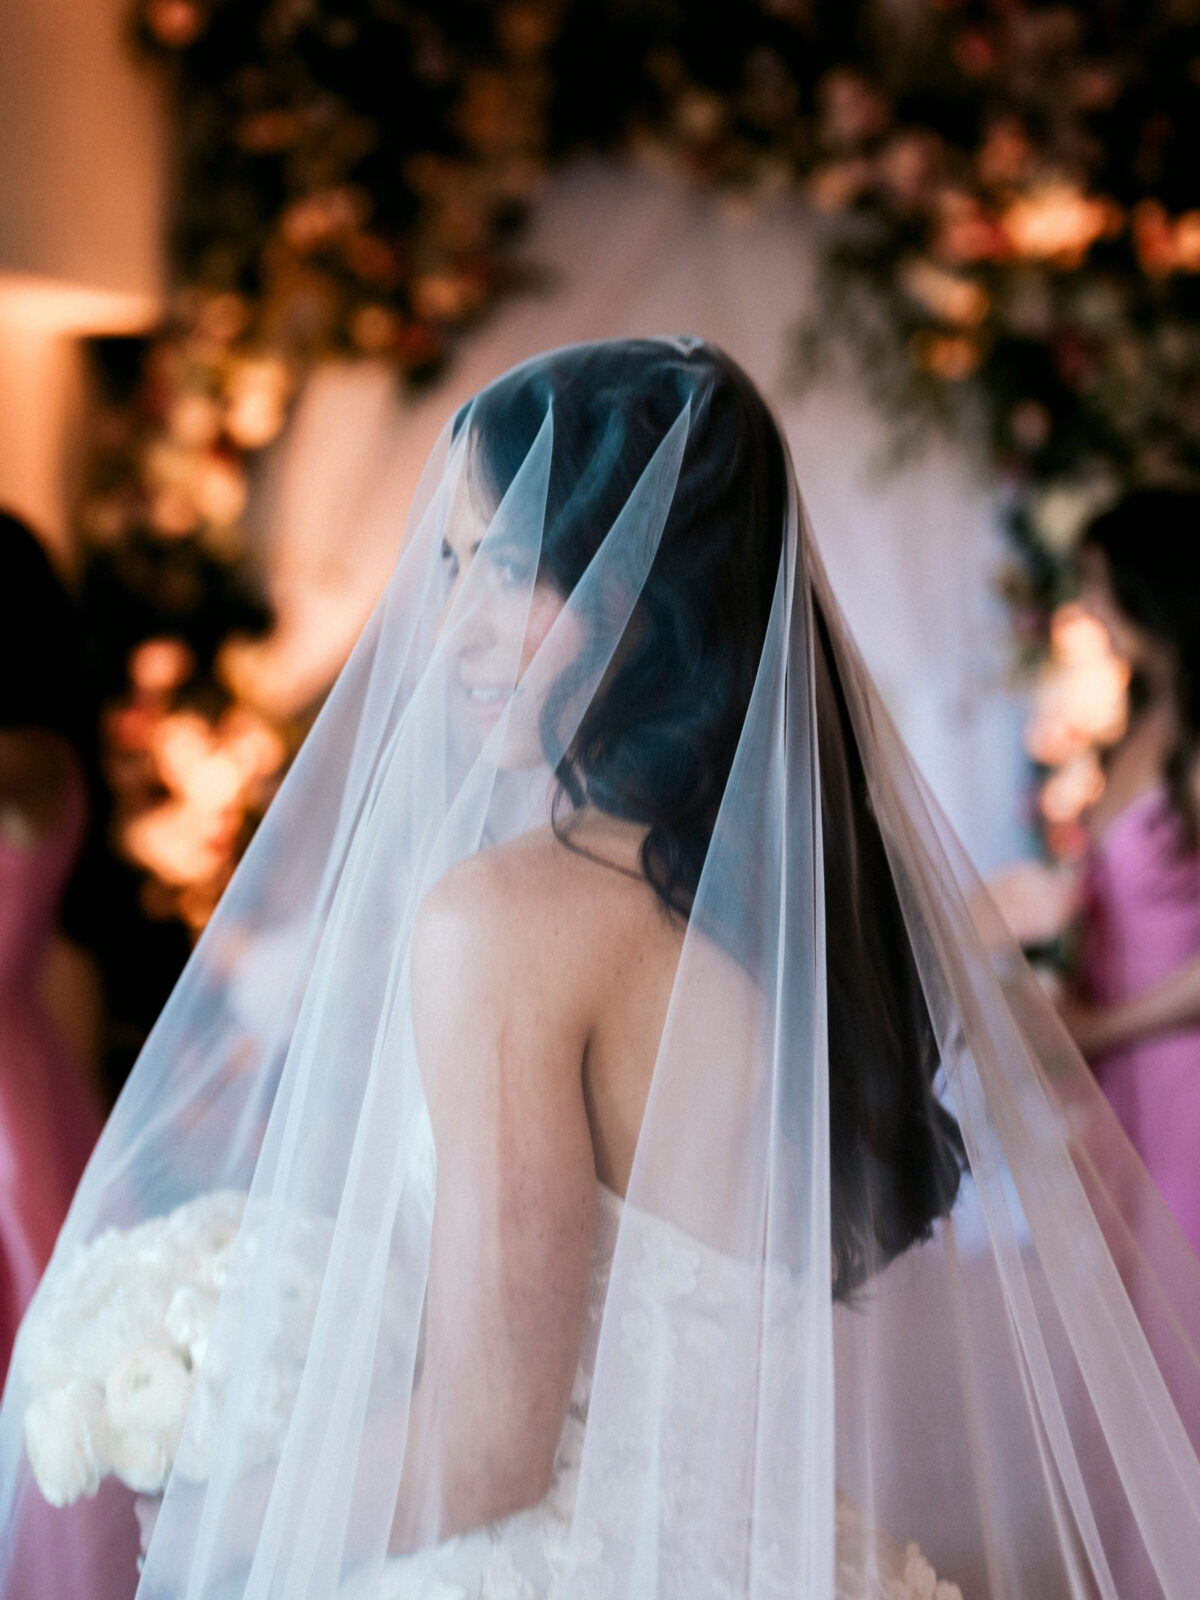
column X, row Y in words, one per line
column 595, row 954
column 541, row 977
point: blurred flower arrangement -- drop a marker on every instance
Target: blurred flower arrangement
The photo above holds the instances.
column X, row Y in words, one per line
column 1009, row 216
column 1079, row 709
column 188, row 781
column 346, row 176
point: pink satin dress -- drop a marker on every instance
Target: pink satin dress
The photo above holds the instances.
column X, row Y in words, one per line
column 1142, row 920
column 49, row 1119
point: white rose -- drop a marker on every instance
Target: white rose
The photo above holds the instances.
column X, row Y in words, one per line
column 189, row 1320
column 64, row 1311
column 131, row 1318
column 142, row 1461
column 205, row 1225
column 211, row 1270
column 149, row 1392
column 151, row 1245
column 67, row 1440
column 46, row 1359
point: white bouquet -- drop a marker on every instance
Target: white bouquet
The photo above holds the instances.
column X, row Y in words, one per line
column 114, row 1349
column 118, row 1354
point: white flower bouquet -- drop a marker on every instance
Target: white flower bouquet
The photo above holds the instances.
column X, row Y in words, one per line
column 118, row 1354
column 114, row 1351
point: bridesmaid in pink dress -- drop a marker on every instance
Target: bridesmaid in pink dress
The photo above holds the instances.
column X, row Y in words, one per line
column 1137, row 1018
column 48, row 1119
column 1142, row 928
column 49, row 1116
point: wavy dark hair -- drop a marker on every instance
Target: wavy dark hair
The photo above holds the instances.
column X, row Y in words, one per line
column 1150, row 541
column 45, row 684
column 657, row 742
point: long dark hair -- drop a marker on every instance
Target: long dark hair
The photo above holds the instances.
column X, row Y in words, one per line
column 45, row 685
column 1150, row 541
column 657, row 745
column 657, row 742
column 43, row 677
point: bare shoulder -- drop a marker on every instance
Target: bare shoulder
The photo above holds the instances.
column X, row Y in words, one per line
column 521, row 889
column 503, row 983
column 541, row 895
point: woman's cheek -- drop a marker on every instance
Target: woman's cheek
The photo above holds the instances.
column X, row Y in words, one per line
column 545, row 608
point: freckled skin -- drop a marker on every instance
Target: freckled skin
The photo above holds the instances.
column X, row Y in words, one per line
column 541, row 981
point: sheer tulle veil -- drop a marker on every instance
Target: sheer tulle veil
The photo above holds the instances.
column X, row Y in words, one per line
column 886, row 1271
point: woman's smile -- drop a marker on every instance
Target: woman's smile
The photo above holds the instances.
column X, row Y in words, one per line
column 486, row 701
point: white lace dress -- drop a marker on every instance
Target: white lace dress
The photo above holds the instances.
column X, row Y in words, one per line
column 530, row 1555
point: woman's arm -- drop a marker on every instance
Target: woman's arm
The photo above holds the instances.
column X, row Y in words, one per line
column 500, row 1043
column 1173, row 1003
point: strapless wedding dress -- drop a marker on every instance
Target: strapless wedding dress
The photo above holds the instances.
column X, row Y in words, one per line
column 544, row 1551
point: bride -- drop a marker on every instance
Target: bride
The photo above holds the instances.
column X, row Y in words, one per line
column 661, row 1178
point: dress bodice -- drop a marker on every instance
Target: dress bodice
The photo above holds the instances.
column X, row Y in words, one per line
column 48, row 1118
column 550, row 1549
column 1142, row 923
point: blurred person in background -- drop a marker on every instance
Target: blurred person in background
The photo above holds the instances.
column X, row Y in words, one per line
column 50, row 1113
column 1135, row 1012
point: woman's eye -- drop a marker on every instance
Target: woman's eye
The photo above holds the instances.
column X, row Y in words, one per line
column 449, row 563
column 513, row 570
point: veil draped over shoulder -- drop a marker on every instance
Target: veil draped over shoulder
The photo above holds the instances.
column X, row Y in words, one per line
column 888, row 1311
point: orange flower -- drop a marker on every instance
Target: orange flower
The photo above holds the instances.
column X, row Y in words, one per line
column 1187, row 242
column 907, row 163
column 838, row 184
column 176, row 23
column 1006, row 153
column 948, row 296
column 950, row 356
column 159, row 666
column 1152, row 238
column 326, row 214
column 1080, row 699
column 965, row 233
column 1164, row 246
column 1072, row 789
column 1058, row 222
column 374, row 329
column 852, row 111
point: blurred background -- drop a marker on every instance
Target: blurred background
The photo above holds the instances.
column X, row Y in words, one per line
column 253, row 252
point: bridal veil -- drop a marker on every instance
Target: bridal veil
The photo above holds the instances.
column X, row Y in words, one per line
column 886, row 1270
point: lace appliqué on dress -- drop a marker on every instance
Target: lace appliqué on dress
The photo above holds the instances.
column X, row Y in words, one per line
column 682, row 1304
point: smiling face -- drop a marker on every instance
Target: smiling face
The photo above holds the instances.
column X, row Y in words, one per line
column 499, row 623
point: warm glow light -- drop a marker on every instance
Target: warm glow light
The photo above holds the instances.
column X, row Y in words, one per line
column 949, row 296
column 1076, row 785
column 1080, row 698
column 173, row 842
column 53, row 307
column 1058, row 222
column 159, row 666
column 251, row 743
column 256, row 396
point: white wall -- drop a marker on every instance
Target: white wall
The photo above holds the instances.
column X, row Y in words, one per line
column 81, row 147
column 81, row 217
